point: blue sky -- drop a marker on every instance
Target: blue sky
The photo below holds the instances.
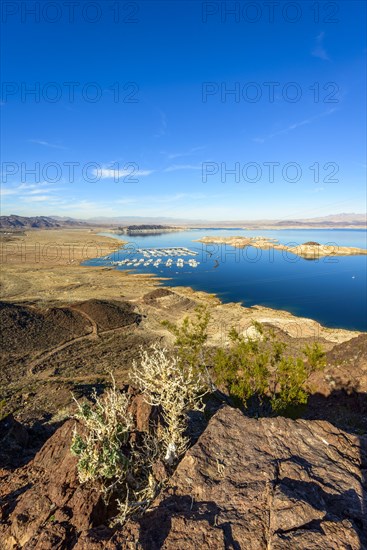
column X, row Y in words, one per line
column 149, row 98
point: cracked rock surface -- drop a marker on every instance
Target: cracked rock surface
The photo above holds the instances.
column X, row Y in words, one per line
column 272, row 483
column 249, row 484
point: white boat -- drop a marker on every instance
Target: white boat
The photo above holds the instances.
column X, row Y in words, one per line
column 193, row 263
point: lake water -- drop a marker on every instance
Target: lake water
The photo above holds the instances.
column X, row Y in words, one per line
column 331, row 290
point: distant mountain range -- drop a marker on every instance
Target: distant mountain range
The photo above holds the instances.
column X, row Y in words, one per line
column 345, row 219
column 14, row 222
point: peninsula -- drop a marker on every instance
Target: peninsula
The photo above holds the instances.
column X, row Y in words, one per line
column 308, row 250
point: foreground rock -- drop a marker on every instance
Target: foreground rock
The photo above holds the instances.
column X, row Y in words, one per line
column 44, row 502
column 340, row 391
column 269, row 483
column 246, row 484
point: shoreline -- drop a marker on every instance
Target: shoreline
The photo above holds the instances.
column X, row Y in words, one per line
column 49, row 282
column 309, row 250
column 189, row 291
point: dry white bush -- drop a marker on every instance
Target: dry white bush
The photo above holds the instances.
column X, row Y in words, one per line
column 107, row 425
column 176, row 388
column 109, row 458
column 142, row 487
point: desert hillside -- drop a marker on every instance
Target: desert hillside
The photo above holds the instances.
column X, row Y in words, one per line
column 249, row 475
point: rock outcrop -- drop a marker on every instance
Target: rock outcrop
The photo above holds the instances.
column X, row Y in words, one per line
column 246, row 484
column 269, row 483
column 310, row 250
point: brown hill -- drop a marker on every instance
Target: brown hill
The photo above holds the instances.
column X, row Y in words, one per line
column 14, row 222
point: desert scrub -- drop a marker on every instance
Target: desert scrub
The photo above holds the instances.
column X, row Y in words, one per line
column 107, row 425
column 2, row 408
column 191, row 337
column 175, row 387
column 259, row 376
column 108, row 455
column 111, row 458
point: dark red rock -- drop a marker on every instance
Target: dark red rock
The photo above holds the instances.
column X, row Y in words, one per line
column 246, row 484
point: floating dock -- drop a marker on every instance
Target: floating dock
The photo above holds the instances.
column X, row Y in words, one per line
column 153, row 257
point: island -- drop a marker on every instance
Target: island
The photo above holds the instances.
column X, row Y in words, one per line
column 308, row 250
column 146, row 229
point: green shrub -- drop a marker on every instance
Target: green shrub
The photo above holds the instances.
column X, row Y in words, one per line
column 191, row 337
column 258, row 374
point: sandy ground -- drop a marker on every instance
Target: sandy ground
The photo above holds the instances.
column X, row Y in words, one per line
column 44, row 266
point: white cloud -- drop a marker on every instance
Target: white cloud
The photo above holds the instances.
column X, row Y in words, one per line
column 163, row 125
column 162, row 199
column 46, row 143
column 319, row 50
column 176, row 167
column 111, row 173
column 5, row 191
column 37, row 198
column 29, row 189
column 295, row 125
column 191, row 151
column 128, row 201
column 42, row 190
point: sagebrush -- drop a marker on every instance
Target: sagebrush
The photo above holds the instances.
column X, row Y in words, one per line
column 110, row 458
column 175, row 388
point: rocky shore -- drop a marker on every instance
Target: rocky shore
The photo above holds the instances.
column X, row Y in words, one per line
column 309, row 250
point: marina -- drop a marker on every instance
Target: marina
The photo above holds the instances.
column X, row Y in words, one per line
column 153, row 257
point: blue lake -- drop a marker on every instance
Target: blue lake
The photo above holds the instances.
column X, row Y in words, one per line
column 331, row 290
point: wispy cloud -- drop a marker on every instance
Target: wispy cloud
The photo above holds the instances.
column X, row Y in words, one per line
column 43, row 190
column 295, row 125
column 188, row 153
column 46, row 144
column 5, row 191
column 111, row 173
column 29, row 189
column 176, row 167
column 38, row 198
column 163, row 125
column 162, row 199
column 128, row 201
column 319, row 50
